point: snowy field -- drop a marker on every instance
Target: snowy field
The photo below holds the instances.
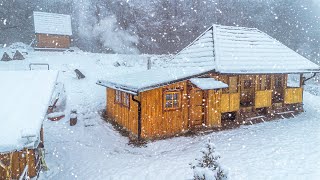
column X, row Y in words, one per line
column 283, row 149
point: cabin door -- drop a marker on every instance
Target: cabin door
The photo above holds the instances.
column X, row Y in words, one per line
column 196, row 108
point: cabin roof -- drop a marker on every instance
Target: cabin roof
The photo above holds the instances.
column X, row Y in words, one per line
column 25, row 97
column 150, row 79
column 241, row 50
column 52, row 23
column 208, row 83
column 221, row 49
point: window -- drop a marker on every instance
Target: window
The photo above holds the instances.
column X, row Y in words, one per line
column 125, row 99
column 278, row 82
column 172, row 100
column 122, row 98
column 118, row 96
column 293, row 80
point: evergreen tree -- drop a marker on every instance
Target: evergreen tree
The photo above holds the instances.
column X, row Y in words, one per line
column 208, row 166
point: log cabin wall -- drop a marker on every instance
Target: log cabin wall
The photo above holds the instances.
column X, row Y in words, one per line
column 17, row 161
column 125, row 116
column 175, row 108
column 52, row 41
column 161, row 115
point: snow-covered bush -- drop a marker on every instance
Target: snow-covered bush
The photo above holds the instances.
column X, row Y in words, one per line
column 208, row 166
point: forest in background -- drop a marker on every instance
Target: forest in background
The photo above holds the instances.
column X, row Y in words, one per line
column 165, row 26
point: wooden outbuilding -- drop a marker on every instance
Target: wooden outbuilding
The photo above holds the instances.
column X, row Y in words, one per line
column 228, row 75
column 52, row 31
column 21, row 118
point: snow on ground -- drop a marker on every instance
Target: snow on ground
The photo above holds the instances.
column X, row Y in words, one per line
column 282, row 149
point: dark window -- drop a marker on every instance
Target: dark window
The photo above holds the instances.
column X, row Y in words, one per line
column 118, row 96
column 122, row 98
column 247, row 84
column 125, row 99
column 278, row 82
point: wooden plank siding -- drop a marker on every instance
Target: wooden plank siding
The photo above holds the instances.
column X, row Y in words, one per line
column 52, row 41
column 158, row 122
column 127, row 117
column 18, row 162
column 245, row 94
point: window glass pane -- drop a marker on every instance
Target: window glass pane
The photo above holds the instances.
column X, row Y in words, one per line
column 168, row 96
column 168, row 104
column 175, row 96
column 175, row 104
column 118, row 96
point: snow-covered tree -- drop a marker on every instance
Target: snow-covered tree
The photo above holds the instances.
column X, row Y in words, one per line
column 208, row 166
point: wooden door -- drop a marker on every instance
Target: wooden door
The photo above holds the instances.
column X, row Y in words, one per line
column 196, row 108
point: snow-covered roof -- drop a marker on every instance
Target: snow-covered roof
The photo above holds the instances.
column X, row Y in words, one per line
column 150, row 79
column 208, row 83
column 52, row 23
column 222, row 49
column 25, row 96
column 242, row 50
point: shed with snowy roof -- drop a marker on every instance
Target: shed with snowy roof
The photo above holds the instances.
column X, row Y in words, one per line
column 25, row 96
column 52, row 31
column 227, row 76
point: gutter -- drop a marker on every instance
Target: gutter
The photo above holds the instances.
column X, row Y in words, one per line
column 307, row 79
column 139, row 116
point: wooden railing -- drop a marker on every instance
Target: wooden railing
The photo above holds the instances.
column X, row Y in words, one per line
column 263, row 98
column 293, row 95
column 230, row 102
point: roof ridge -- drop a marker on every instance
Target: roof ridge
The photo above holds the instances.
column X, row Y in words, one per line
column 190, row 44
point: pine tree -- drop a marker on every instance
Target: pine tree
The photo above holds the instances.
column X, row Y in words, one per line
column 208, row 166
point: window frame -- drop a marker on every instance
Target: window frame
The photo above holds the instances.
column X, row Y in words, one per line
column 118, row 97
column 122, row 98
column 172, row 100
column 125, row 99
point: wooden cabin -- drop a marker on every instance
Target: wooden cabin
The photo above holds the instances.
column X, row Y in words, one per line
column 227, row 75
column 52, row 31
column 25, row 97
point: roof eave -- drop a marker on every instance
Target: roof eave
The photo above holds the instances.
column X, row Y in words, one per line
column 273, row 72
column 117, row 87
column 146, row 88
